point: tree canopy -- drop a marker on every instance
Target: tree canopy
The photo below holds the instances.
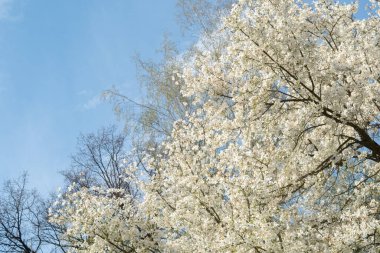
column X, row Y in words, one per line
column 272, row 144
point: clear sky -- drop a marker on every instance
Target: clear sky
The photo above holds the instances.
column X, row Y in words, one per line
column 56, row 57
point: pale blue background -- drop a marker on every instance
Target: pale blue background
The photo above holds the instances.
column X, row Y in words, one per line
column 56, row 57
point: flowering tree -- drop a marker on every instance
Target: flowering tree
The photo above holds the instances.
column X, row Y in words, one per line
column 283, row 152
column 104, row 220
column 284, row 155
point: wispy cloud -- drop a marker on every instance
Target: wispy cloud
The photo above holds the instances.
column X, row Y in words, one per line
column 92, row 103
column 2, row 89
column 3, row 82
column 7, row 10
column 82, row 93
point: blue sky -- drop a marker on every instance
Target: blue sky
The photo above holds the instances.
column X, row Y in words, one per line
column 56, row 57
